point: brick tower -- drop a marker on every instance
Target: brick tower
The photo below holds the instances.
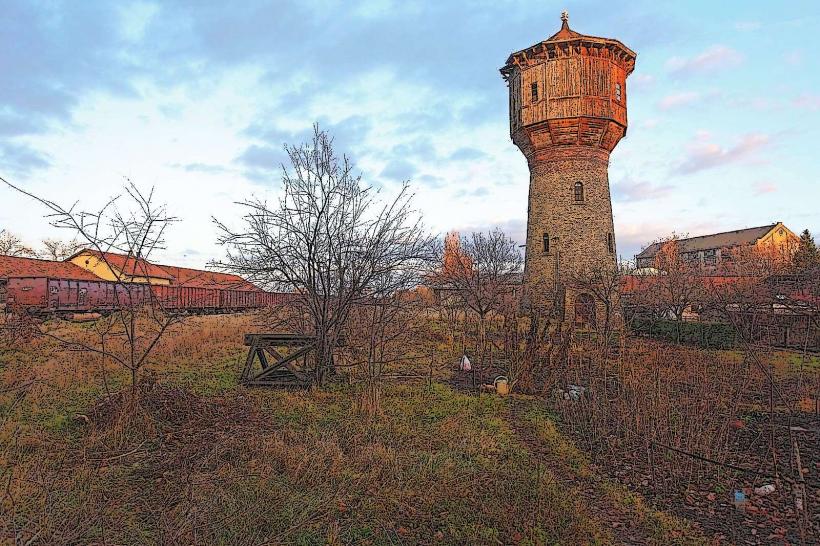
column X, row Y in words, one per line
column 567, row 113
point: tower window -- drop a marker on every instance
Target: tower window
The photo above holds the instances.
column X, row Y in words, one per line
column 618, row 92
column 534, row 91
column 546, row 243
column 579, row 192
column 610, row 243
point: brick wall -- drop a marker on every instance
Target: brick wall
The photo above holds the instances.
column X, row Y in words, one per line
column 578, row 231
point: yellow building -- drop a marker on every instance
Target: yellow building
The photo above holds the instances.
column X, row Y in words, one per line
column 720, row 249
column 117, row 267
column 110, row 266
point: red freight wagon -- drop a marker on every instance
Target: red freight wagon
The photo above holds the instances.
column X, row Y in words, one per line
column 42, row 294
column 27, row 292
column 165, row 297
column 64, row 296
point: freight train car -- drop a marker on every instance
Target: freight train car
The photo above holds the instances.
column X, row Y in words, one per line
column 48, row 296
column 63, row 296
column 186, row 298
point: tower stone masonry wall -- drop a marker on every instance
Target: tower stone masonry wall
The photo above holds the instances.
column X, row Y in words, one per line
column 578, row 231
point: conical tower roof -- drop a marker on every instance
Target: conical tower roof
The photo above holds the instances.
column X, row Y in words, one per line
column 565, row 33
column 566, row 37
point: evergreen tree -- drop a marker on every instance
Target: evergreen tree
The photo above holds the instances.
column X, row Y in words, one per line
column 807, row 255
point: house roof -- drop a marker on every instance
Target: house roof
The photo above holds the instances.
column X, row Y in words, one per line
column 181, row 276
column 12, row 266
column 198, row 278
column 717, row 240
column 129, row 265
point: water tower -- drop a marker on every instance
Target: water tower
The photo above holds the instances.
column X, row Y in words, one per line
column 567, row 113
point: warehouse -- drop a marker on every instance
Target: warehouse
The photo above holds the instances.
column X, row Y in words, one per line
column 97, row 282
column 119, row 267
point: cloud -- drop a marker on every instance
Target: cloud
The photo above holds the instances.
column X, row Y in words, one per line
column 713, row 59
column 15, row 124
column 678, row 100
column 808, row 102
column 466, row 193
column 703, row 154
column 55, row 54
column 261, row 163
column 640, row 82
column 630, row 189
column 254, row 77
column 467, row 154
column 21, row 159
column 515, row 229
column 398, row 170
column 418, row 148
column 329, row 46
column 347, row 134
column 761, row 103
column 640, row 27
column 430, row 181
column 203, row 168
column 764, row 187
column 650, row 123
column 262, row 157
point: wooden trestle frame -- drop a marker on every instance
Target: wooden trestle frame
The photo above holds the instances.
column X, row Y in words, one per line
column 290, row 354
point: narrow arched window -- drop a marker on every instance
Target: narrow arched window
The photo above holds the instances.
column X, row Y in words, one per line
column 618, row 92
column 579, row 192
column 534, row 91
column 546, row 243
column 610, row 243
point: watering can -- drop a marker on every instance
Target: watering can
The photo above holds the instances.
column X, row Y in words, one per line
column 502, row 385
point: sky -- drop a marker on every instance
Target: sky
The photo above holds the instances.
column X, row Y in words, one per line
column 197, row 98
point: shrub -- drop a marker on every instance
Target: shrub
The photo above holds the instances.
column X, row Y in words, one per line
column 709, row 335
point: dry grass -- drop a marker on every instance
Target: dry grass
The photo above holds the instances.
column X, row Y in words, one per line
column 202, row 461
column 638, row 520
column 653, row 413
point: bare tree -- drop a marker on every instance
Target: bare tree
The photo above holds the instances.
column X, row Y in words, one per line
column 603, row 282
column 382, row 334
column 444, row 298
column 134, row 229
column 329, row 240
column 676, row 286
column 55, row 249
column 12, row 245
column 764, row 299
column 487, row 275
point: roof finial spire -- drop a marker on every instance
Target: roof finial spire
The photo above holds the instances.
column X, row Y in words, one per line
column 565, row 18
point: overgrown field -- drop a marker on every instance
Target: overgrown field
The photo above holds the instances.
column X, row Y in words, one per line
column 205, row 461
column 202, row 460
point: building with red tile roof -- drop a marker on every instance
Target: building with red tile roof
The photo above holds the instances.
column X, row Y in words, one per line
column 13, row 266
column 113, row 266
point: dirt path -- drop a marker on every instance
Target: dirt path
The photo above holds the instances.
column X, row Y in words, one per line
column 628, row 521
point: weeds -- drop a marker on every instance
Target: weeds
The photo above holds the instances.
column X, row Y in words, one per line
column 196, row 464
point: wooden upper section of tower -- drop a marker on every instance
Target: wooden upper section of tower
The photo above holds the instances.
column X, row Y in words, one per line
column 568, row 90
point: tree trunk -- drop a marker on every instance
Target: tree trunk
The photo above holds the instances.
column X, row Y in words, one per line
column 324, row 357
column 371, row 397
